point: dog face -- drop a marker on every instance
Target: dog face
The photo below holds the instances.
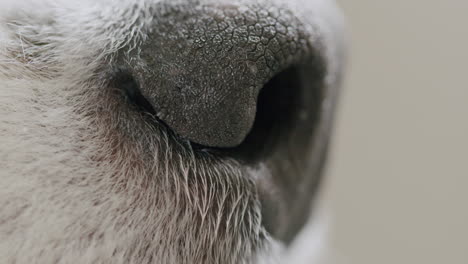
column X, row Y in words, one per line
column 157, row 131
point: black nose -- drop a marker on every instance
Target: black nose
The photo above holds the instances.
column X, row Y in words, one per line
column 201, row 67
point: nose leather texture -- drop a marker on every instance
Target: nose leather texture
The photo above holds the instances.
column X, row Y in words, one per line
column 202, row 66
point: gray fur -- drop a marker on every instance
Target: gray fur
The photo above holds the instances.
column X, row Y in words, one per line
column 84, row 178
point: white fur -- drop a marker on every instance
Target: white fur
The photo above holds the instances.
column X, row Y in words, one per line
column 73, row 186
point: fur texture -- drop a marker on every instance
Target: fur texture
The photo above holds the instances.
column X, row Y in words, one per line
column 84, row 179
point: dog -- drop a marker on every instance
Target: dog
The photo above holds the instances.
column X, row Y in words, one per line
column 165, row 131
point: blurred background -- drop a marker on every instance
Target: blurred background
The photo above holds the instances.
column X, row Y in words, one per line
column 398, row 176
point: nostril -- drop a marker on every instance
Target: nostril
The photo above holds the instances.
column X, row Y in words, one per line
column 201, row 67
column 125, row 81
column 278, row 108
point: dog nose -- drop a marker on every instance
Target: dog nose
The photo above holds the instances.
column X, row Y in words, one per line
column 202, row 66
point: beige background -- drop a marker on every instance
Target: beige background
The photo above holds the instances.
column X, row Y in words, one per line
column 398, row 180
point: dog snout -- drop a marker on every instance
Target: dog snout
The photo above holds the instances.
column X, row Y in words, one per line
column 202, row 66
